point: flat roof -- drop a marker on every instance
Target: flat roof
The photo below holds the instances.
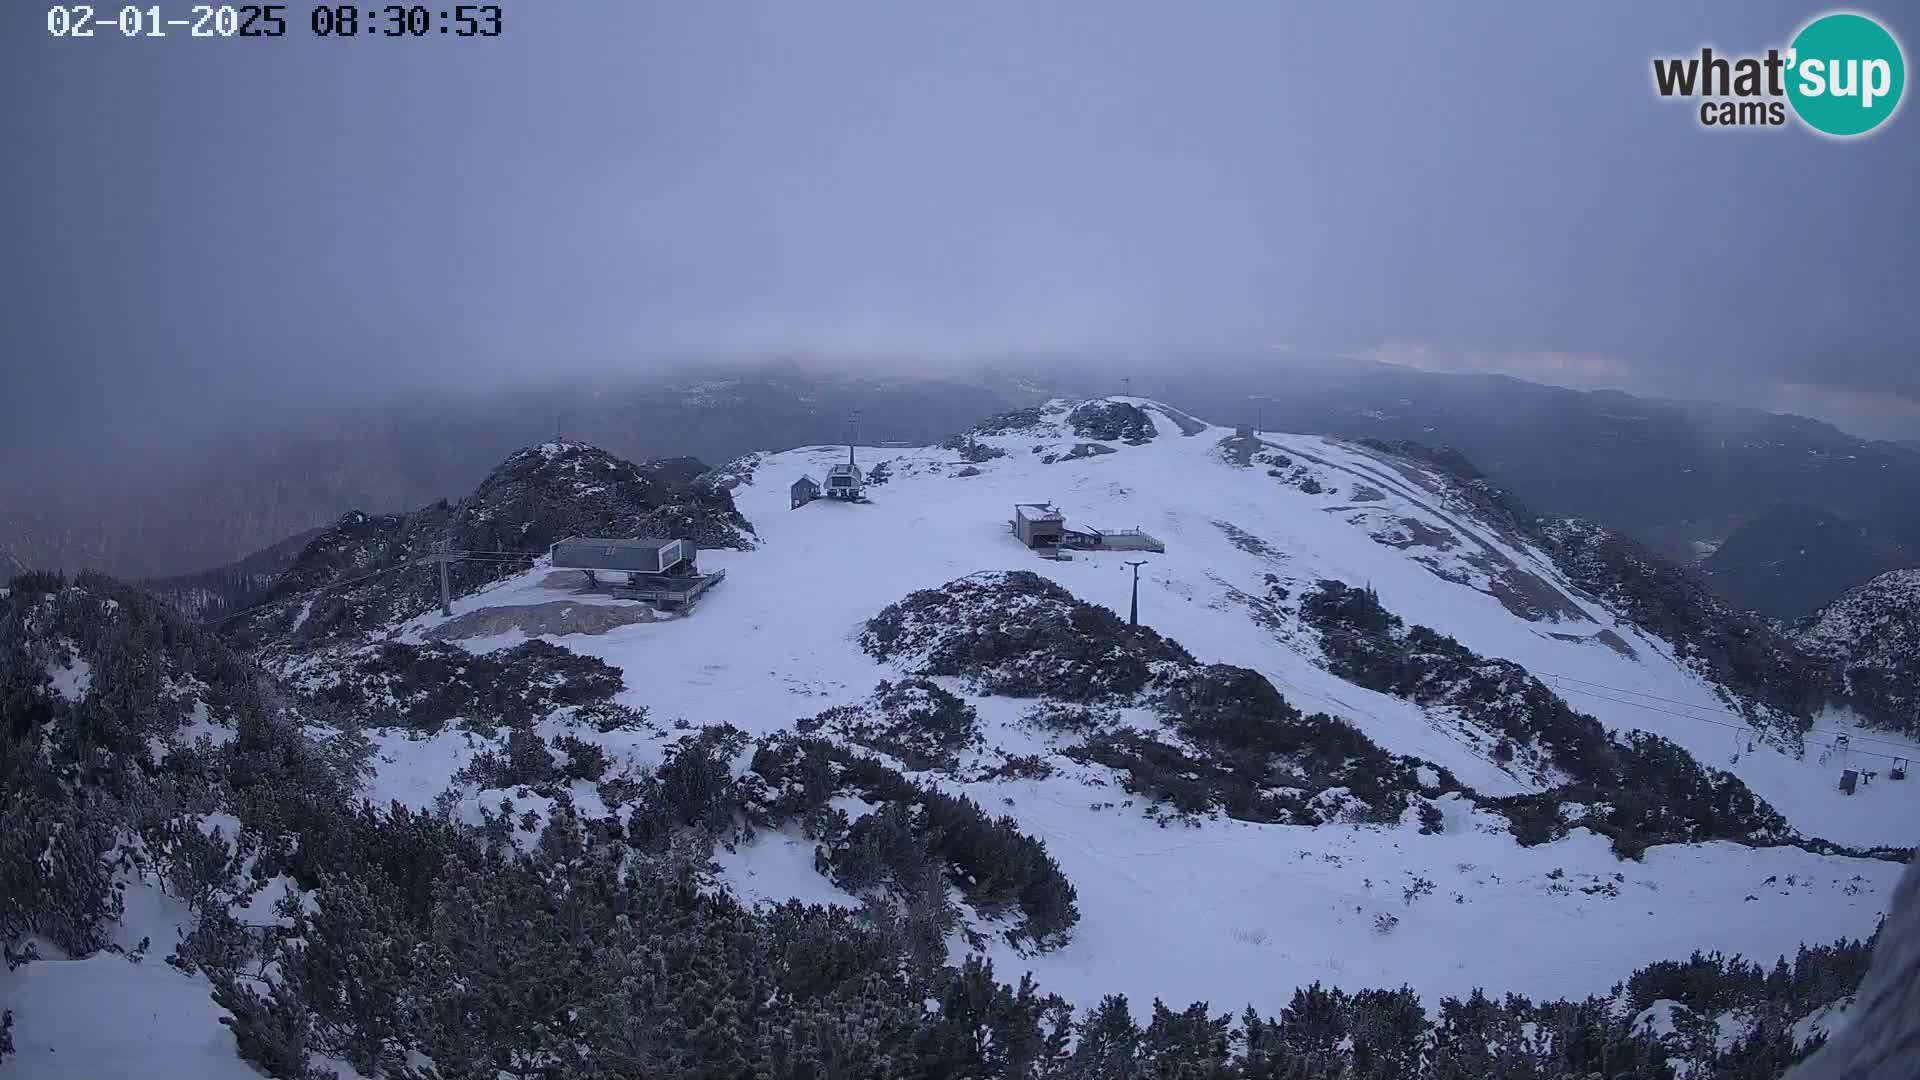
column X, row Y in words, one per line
column 649, row 543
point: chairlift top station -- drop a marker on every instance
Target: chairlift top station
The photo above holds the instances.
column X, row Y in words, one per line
column 660, row 571
column 633, row 555
column 1042, row 527
column 844, row 480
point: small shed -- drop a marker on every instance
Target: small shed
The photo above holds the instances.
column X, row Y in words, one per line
column 1848, row 778
column 1038, row 524
column 804, row 490
column 844, row 481
column 622, row 558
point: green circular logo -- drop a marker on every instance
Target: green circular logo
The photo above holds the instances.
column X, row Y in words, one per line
column 1845, row 73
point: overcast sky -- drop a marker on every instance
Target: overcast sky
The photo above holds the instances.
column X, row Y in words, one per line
column 200, row 230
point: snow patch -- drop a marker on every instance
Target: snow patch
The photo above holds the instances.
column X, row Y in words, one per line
column 73, row 681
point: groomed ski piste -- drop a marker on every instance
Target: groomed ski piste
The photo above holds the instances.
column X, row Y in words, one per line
column 1222, row 911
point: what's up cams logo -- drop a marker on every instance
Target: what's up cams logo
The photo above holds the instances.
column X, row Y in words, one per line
column 1842, row 76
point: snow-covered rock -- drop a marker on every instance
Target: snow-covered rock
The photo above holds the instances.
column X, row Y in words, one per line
column 1871, row 638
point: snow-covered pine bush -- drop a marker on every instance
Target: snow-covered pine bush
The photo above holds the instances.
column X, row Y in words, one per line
column 1248, row 727
column 972, row 450
column 1013, row 422
column 1112, row 421
column 1019, row 634
column 914, row 721
column 271, row 1031
column 82, row 790
column 523, row 761
column 696, row 786
column 429, row 685
column 1416, row 889
column 1071, row 718
column 995, row 866
column 1432, row 821
column 1652, row 791
column 585, row 760
column 426, row 936
column 1169, row 776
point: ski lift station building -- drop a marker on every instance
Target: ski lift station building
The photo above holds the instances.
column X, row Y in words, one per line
column 623, row 560
column 1043, row 528
column 844, row 481
column 1038, row 524
column 659, row 572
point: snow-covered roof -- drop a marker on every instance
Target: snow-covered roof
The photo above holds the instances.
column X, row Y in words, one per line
column 632, row 543
column 1038, row 512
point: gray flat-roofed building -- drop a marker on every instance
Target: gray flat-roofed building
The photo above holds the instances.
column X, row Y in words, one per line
column 637, row 555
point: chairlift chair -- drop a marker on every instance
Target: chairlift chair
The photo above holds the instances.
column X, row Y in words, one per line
column 1899, row 769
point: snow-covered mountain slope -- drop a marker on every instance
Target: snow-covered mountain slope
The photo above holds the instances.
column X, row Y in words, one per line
column 1871, row 637
column 339, row 587
column 1220, row 909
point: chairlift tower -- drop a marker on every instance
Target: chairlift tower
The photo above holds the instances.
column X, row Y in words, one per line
column 1133, row 609
column 844, row 480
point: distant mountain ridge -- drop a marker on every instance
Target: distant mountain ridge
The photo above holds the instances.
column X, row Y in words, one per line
column 1739, row 493
column 1684, row 478
column 1799, row 558
column 238, row 494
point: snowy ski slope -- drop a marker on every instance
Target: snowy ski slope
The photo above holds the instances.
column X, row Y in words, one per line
column 1228, row 912
column 1233, row 912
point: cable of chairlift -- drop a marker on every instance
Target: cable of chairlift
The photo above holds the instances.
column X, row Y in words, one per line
column 1850, row 736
